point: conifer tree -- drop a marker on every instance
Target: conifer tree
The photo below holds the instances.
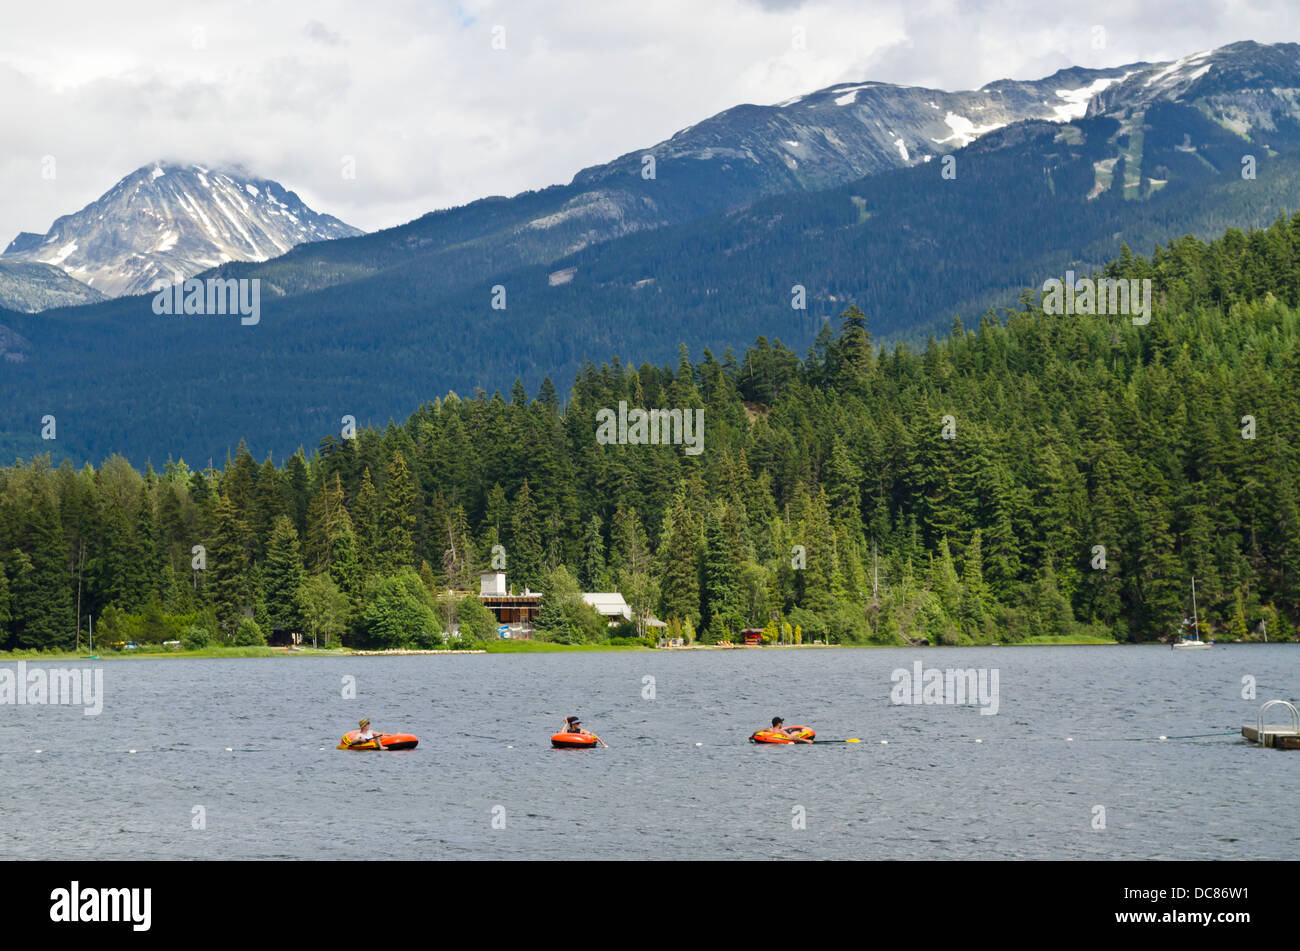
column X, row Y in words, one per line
column 525, row 552
column 720, row 613
column 679, row 565
column 231, row 589
column 365, row 522
column 282, row 578
column 399, row 514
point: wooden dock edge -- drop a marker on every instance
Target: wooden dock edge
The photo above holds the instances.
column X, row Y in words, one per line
column 1281, row 737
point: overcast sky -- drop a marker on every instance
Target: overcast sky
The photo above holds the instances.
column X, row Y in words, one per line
column 434, row 116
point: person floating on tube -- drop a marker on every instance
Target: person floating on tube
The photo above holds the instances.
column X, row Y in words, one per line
column 364, row 734
column 778, row 726
column 573, row 725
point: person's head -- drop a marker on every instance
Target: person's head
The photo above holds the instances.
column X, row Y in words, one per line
column 574, row 723
column 777, row 721
column 365, row 724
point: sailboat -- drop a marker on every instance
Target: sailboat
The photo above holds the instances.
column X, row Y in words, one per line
column 1193, row 643
column 92, row 655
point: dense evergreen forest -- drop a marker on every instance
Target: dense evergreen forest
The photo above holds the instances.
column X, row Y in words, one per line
column 908, row 247
column 1039, row 475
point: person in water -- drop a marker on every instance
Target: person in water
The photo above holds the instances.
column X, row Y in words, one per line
column 364, row 734
column 573, row 725
column 778, row 726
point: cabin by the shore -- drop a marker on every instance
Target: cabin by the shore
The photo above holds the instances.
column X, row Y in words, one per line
column 507, row 607
column 521, row 610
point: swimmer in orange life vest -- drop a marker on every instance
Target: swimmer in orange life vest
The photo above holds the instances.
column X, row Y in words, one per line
column 573, row 725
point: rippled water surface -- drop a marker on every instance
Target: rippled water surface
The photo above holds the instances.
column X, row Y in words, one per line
column 679, row 779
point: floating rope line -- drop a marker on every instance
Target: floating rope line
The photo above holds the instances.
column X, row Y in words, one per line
column 291, row 749
column 1161, row 739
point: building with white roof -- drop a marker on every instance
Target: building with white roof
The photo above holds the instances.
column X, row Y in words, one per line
column 609, row 604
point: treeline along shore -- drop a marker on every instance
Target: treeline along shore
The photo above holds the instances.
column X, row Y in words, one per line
column 1045, row 475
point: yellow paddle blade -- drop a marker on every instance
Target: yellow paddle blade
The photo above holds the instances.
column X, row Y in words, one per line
column 852, row 741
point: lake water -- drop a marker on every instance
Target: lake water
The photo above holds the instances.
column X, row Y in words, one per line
column 679, row 779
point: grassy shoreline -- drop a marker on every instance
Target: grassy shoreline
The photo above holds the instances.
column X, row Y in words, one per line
column 506, row 647
column 537, row 647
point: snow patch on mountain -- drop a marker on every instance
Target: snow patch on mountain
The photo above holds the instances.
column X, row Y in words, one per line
column 964, row 132
column 1076, row 100
column 1172, row 71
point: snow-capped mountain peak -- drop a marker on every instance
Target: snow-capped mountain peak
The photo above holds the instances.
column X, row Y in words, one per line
column 168, row 219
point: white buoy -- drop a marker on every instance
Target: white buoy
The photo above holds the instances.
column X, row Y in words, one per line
column 1069, row 739
column 130, row 751
column 884, row 742
column 979, row 741
column 699, row 744
column 1163, row 738
column 510, row 747
column 37, row 751
column 229, row 750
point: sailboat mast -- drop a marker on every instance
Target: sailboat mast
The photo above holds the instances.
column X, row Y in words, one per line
column 1196, row 621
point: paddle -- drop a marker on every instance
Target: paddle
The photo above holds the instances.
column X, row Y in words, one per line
column 836, row 741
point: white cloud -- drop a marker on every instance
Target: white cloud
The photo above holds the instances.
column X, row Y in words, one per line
column 435, row 117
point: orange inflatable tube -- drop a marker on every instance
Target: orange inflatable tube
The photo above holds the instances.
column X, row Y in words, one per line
column 573, row 741
column 781, row 736
column 382, row 741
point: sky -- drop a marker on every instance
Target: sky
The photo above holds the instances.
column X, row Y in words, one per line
column 379, row 111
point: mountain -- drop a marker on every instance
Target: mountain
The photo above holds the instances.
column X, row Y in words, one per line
column 1247, row 87
column 850, row 130
column 371, row 326
column 31, row 286
column 166, row 219
column 807, row 143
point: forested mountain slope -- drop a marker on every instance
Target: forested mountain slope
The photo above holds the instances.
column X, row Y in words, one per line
column 1029, row 477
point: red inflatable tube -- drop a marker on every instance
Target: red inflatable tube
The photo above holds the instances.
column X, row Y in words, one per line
column 573, row 741
column 383, row 741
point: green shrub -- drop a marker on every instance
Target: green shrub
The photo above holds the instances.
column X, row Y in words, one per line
column 624, row 630
column 249, row 634
column 400, row 613
column 476, row 622
column 195, row 637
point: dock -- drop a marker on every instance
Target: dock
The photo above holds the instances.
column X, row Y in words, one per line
column 1275, row 735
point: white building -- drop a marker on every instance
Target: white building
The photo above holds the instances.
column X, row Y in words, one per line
column 609, row 604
